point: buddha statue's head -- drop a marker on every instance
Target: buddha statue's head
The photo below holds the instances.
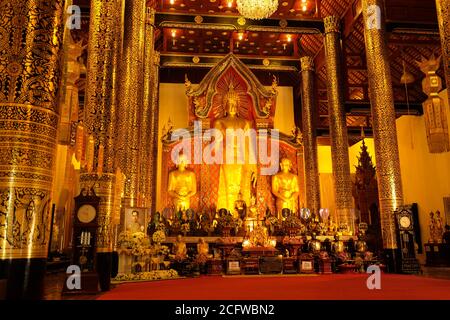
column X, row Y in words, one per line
column 231, row 101
column 182, row 162
column 285, row 165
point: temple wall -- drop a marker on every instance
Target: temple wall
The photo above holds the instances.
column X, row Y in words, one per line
column 425, row 176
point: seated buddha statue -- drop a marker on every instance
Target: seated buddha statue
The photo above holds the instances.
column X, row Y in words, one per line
column 285, row 188
column 180, row 249
column 240, row 207
column 360, row 244
column 182, row 185
column 314, row 245
column 338, row 245
column 252, row 211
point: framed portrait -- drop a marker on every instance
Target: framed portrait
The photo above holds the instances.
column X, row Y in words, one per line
column 136, row 219
column 233, row 267
column 307, row 266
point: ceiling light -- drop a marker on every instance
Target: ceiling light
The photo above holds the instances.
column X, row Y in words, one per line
column 257, row 9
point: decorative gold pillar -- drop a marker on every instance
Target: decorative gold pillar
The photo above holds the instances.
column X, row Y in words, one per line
column 309, row 135
column 149, row 123
column 443, row 13
column 434, row 109
column 131, row 96
column 338, row 125
column 100, row 116
column 30, row 42
column 383, row 120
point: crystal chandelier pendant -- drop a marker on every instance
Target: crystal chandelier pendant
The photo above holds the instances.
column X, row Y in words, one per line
column 257, row 9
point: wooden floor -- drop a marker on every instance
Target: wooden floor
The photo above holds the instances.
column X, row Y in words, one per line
column 53, row 289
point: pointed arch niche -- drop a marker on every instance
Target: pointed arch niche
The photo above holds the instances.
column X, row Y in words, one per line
column 257, row 104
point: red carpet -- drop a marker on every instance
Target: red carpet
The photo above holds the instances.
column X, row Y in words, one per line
column 326, row 287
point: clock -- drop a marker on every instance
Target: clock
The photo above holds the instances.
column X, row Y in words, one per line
column 85, row 228
column 86, row 213
column 406, row 240
column 405, row 222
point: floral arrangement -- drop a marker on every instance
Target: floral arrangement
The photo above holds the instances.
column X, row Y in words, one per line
column 159, row 236
column 272, row 220
column 259, row 237
column 343, row 256
column 125, row 240
column 292, row 222
column 160, row 250
column 147, row 276
column 140, row 244
column 368, row 256
column 137, row 242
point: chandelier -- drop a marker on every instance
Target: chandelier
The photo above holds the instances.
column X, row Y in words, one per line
column 257, row 9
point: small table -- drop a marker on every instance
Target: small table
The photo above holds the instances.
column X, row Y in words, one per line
column 215, row 266
column 306, row 263
column 271, row 265
column 290, row 265
column 325, row 266
column 437, row 254
column 250, row 265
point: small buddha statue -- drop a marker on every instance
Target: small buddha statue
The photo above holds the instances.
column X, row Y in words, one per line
column 338, row 245
column 285, row 188
column 180, row 249
column 182, row 185
column 202, row 253
column 314, row 245
column 252, row 211
column 361, row 244
column 439, row 228
column 432, row 228
column 240, row 207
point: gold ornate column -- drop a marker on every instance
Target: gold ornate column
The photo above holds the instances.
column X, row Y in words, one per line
column 149, row 123
column 383, row 120
column 30, row 42
column 443, row 13
column 338, row 125
column 131, row 96
column 309, row 135
column 100, row 117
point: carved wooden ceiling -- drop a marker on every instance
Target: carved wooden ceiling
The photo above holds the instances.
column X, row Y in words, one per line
column 287, row 9
column 290, row 33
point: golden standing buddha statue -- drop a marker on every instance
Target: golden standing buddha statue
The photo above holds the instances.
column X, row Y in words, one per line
column 182, row 185
column 285, row 188
column 235, row 174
